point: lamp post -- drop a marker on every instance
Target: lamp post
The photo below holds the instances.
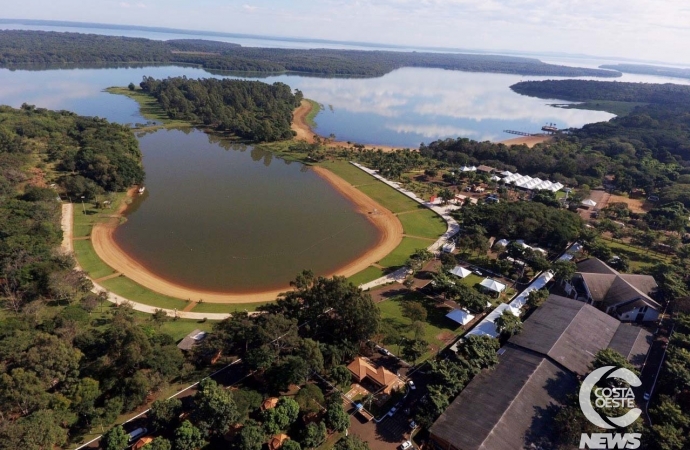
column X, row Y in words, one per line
column 82, row 205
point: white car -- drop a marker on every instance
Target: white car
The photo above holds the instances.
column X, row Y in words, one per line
column 406, row 445
column 411, row 384
column 413, row 425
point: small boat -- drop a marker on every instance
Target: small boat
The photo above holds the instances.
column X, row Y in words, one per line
column 142, row 189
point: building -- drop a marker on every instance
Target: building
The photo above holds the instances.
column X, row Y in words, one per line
column 191, row 340
column 628, row 297
column 490, row 285
column 512, row 406
column 485, row 169
column 363, row 370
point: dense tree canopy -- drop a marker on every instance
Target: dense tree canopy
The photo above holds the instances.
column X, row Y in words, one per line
column 251, row 110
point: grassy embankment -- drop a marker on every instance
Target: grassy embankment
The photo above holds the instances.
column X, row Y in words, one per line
column 121, row 285
column 149, row 109
column 420, row 225
column 613, row 107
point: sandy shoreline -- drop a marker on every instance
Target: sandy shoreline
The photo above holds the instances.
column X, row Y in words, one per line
column 389, row 228
column 529, row 141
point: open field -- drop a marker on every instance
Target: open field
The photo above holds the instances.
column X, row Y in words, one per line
column 639, row 258
column 225, row 307
column 399, row 256
column 129, row 289
column 148, row 106
column 389, row 198
column 89, row 260
column 617, row 108
column 366, row 275
column 424, row 223
column 438, row 330
column 349, row 173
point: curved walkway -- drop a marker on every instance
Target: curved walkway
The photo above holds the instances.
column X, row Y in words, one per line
column 68, row 247
column 443, row 211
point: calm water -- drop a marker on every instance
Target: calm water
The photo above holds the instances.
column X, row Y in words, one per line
column 232, row 219
column 403, row 108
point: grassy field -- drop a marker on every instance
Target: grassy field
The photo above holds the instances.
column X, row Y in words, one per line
column 389, row 198
column 89, row 260
column 639, row 258
column 316, row 108
column 424, row 223
column 617, row 108
column 438, row 328
column 349, row 173
column 367, row 275
column 225, row 307
column 403, row 251
column 132, row 291
column 148, row 106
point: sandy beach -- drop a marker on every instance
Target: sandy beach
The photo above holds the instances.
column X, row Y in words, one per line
column 389, row 228
column 529, row 141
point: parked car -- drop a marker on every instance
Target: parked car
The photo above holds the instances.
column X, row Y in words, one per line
column 392, row 412
column 411, row 384
column 406, row 445
column 136, row 434
column 413, row 425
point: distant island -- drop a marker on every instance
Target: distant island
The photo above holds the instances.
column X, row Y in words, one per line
column 644, row 69
column 27, row 49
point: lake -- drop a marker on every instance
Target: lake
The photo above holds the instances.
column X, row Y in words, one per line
column 223, row 217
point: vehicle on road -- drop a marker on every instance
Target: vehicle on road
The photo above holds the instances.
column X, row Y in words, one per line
column 411, row 385
column 136, row 434
column 647, row 396
column 413, row 425
column 406, row 445
column 392, row 412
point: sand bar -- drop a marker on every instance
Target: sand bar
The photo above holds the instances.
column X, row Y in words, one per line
column 387, row 224
column 529, row 141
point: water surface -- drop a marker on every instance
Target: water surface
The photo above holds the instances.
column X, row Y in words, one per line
column 224, row 218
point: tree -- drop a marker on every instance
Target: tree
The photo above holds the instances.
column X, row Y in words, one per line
column 610, row 357
column 163, row 413
column 131, row 86
column 413, row 349
column 311, row 353
column 310, row 398
column 336, row 417
column 537, row 297
column 480, row 351
column 446, row 195
column 414, row 311
column 160, row 443
column 291, row 445
column 188, row 437
column 508, row 324
column 280, row 417
column 351, row 443
column 159, row 317
column 418, row 259
column 115, row 439
column 291, row 370
column 251, row 438
column 341, row 376
column 313, row 435
column 215, row 408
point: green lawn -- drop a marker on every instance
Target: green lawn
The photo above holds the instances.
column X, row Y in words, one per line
column 89, row 260
column 130, row 290
column 148, row 106
column 437, row 325
column 423, row 223
column 316, row 108
column 399, row 256
column 471, row 280
column 639, row 257
column 390, row 198
column 349, row 173
column 225, row 307
column 366, row 275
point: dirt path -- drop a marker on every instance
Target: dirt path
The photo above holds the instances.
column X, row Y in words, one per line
column 390, row 235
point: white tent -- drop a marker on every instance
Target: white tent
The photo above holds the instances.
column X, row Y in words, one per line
column 502, row 242
column 460, row 272
column 468, row 169
column 495, row 178
column 493, row 285
column 460, row 316
column 589, row 202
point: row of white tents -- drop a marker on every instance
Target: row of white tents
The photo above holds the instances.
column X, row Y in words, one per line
column 527, row 182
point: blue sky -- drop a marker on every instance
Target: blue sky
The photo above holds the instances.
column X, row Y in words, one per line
column 642, row 29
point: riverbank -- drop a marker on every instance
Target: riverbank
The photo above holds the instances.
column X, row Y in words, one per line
column 388, row 226
column 529, row 141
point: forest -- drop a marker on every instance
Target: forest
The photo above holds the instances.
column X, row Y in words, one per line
column 19, row 49
column 250, row 110
column 645, row 69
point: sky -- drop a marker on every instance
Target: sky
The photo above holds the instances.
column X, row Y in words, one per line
column 655, row 30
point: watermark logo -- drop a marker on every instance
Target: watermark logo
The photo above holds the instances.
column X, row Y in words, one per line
column 613, row 395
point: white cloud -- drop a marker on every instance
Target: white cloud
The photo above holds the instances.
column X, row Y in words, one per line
column 125, row 5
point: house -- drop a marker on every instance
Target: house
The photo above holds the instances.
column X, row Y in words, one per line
column 277, row 441
column 363, row 369
column 141, row 443
column 191, row 340
column 269, row 403
column 511, row 406
column 448, row 247
column 485, row 169
column 628, row 297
